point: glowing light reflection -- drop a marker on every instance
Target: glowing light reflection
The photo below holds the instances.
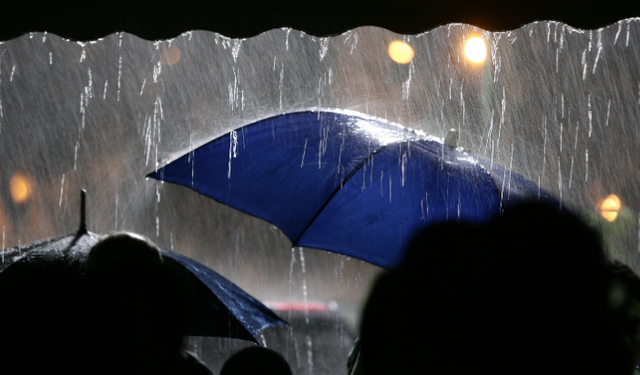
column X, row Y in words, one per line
column 609, row 207
column 170, row 55
column 401, row 52
column 20, row 188
column 475, row 50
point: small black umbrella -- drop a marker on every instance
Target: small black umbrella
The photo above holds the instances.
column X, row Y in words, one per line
column 49, row 268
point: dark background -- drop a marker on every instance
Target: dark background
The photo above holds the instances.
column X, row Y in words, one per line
column 161, row 19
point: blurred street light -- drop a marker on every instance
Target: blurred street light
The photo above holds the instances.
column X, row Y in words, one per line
column 609, row 207
column 20, row 188
column 475, row 50
column 400, row 52
column 170, row 55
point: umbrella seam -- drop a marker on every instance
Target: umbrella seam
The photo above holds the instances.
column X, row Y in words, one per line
column 342, row 183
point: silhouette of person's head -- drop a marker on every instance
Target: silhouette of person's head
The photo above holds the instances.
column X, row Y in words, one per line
column 524, row 293
column 137, row 306
column 256, row 360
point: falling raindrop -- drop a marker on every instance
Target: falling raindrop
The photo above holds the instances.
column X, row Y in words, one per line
column 142, row 88
column 75, row 156
column 324, row 47
column 310, row 354
column 235, row 50
column 584, row 64
column 293, row 261
column 615, row 40
column 304, row 151
column 586, row 161
column 281, row 84
column 599, row 44
column 119, row 74
column 589, row 114
column 61, row 191
column 304, row 286
column 571, row 173
column 561, row 133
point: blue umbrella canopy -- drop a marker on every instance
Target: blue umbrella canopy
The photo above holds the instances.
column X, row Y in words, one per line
column 347, row 183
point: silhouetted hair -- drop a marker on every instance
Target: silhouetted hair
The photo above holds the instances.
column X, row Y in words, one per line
column 123, row 249
column 138, row 308
column 256, row 360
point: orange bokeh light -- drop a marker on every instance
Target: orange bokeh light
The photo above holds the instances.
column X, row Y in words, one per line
column 170, row 55
column 609, row 207
column 401, row 52
column 20, row 188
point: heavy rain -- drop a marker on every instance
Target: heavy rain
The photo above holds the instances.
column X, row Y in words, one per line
column 556, row 104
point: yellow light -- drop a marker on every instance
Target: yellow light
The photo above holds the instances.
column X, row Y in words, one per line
column 475, row 50
column 20, row 188
column 400, row 52
column 609, row 207
column 170, row 55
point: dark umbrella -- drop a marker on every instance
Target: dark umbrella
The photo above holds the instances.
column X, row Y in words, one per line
column 347, row 183
column 220, row 308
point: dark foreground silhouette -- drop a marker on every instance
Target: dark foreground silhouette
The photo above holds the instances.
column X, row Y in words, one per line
column 526, row 293
column 117, row 310
column 256, row 360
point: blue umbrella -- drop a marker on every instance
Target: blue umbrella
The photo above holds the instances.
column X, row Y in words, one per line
column 347, row 183
column 45, row 269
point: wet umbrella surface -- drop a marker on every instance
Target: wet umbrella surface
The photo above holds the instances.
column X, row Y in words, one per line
column 220, row 308
column 552, row 103
column 342, row 182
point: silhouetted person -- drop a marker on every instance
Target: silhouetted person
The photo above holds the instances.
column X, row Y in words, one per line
column 256, row 360
column 137, row 310
column 523, row 294
column 42, row 314
column 624, row 301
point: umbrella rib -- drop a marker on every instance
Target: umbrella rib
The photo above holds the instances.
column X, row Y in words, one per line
column 342, row 183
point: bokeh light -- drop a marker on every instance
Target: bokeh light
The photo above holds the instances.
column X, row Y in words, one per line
column 401, row 52
column 475, row 50
column 609, row 207
column 20, row 188
column 170, row 55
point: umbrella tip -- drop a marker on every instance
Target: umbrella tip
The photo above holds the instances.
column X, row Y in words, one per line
column 83, row 212
column 451, row 139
